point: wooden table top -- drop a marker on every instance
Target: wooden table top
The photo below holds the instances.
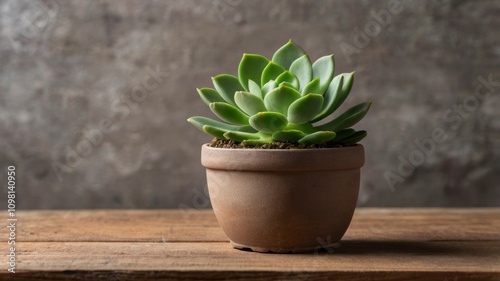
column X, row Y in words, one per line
column 381, row 244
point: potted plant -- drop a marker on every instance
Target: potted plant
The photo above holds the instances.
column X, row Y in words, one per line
column 278, row 182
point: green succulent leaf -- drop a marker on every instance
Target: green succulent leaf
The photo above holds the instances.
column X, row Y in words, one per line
column 312, row 87
column 249, row 103
column 214, row 131
column 305, row 108
column 268, row 87
column 347, row 119
column 279, row 99
column 209, row 95
column 250, row 68
column 256, row 142
column 254, row 88
column 346, row 87
column 287, row 84
column 240, row 136
column 200, row 122
column 287, row 54
column 348, row 82
column 302, row 69
column 336, row 94
column 332, row 97
column 323, row 69
column 343, row 134
column 288, row 77
column 268, row 122
column 229, row 113
column 288, row 135
column 227, row 85
column 271, row 72
column 317, row 137
column 354, row 138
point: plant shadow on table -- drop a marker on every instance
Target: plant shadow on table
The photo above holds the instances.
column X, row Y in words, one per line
column 364, row 247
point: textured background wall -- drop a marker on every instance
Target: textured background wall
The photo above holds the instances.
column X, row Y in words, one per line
column 69, row 68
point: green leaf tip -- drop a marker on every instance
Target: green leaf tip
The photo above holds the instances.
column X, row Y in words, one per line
column 226, row 85
column 250, row 68
column 240, row 136
column 317, row 138
column 249, row 103
column 287, row 54
column 289, row 135
column 323, row 68
column 347, row 119
column 268, row 122
column 354, row 138
column 280, row 99
column 302, row 69
column 305, row 108
column 209, row 95
column 229, row 113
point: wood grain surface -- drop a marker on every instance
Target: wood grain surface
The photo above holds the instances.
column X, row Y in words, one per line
column 381, row 244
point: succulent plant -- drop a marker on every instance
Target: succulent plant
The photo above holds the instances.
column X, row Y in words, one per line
column 281, row 100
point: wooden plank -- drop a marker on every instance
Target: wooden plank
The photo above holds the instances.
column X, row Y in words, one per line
column 355, row 260
column 398, row 224
column 248, row 275
column 118, row 225
column 431, row 224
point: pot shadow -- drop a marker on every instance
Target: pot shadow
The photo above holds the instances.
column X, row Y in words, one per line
column 398, row 248
column 369, row 247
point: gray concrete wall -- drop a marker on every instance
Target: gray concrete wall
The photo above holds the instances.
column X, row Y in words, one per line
column 71, row 67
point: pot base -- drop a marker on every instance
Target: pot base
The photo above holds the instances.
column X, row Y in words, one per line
column 327, row 247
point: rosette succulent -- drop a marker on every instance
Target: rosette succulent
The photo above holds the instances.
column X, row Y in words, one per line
column 281, row 100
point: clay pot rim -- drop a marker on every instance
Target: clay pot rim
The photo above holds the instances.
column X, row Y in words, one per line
column 315, row 159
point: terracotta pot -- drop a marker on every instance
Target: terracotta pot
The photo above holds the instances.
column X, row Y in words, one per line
column 272, row 200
